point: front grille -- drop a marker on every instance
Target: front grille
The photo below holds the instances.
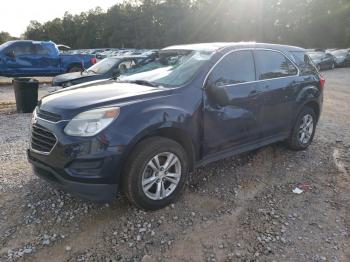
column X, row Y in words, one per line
column 42, row 139
column 48, row 116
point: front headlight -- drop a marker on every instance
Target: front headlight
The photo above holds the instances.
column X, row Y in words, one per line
column 91, row 122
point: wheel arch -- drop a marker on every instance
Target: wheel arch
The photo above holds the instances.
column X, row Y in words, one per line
column 176, row 134
column 71, row 65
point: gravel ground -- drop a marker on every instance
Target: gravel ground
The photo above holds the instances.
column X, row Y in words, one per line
column 237, row 209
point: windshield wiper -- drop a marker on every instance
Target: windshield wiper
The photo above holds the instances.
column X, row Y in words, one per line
column 141, row 82
column 90, row 70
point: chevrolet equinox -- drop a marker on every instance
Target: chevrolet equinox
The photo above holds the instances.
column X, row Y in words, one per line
column 143, row 133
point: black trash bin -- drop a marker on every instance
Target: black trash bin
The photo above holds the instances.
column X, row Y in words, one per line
column 26, row 93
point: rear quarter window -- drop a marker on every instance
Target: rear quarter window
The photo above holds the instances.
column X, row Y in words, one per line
column 304, row 63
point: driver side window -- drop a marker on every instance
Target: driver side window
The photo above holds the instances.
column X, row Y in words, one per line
column 236, row 68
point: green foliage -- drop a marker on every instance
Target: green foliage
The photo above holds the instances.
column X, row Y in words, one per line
column 158, row 23
column 4, row 37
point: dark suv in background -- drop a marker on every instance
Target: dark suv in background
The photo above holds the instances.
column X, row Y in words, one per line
column 198, row 103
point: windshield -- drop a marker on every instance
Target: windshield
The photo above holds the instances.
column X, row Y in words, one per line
column 317, row 56
column 103, row 66
column 173, row 68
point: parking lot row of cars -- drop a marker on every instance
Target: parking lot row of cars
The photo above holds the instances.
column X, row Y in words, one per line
column 323, row 58
column 24, row 58
column 119, row 62
column 102, row 53
column 330, row 58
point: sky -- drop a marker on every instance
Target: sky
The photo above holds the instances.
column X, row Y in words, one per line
column 15, row 15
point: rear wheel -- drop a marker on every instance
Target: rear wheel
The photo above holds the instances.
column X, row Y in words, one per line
column 73, row 69
column 304, row 130
column 155, row 173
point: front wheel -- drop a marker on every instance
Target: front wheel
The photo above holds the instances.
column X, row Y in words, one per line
column 155, row 173
column 304, row 130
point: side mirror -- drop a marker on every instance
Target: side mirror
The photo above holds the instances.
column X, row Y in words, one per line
column 219, row 94
column 11, row 54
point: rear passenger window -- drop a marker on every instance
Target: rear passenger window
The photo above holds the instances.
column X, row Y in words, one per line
column 272, row 64
column 40, row 50
column 235, row 68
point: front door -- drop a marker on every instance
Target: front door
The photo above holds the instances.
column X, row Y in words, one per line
column 22, row 63
column 231, row 103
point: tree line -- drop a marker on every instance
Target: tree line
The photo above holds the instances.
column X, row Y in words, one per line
column 5, row 36
column 159, row 23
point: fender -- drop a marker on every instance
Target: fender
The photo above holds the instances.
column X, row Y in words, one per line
column 162, row 120
column 307, row 94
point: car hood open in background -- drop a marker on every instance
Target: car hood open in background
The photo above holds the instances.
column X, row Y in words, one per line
column 95, row 94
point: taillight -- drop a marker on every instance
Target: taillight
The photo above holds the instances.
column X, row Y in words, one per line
column 93, row 60
column 322, row 81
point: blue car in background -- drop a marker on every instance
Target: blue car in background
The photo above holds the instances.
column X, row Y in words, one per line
column 38, row 58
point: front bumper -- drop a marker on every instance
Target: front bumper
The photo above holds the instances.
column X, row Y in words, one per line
column 88, row 191
column 85, row 167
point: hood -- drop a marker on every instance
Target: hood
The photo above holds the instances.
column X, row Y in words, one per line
column 72, row 76
column 96, row 94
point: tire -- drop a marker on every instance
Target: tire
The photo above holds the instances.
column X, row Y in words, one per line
column 73, row 69
column 138, row 170
column 295, row 140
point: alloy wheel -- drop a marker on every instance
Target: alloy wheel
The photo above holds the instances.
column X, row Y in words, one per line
column 161, row 176
column 306, row 129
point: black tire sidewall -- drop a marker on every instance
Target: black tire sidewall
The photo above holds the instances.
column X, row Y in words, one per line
column 137, row 162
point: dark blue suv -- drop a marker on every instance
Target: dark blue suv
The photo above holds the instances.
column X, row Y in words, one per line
column 143, row 133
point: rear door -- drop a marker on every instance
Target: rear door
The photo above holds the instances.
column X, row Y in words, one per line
column 278, row 81
column 232, row 103
column 46, row 59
